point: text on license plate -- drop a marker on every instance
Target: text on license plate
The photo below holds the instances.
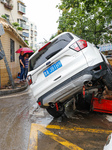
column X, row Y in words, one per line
column 52, row 68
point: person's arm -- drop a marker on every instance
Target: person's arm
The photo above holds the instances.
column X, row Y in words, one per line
column 22, row 63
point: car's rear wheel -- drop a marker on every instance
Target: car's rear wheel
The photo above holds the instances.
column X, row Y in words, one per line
column 56, row 110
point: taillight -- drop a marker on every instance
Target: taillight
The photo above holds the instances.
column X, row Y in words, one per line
column 100, row 67
column 39, row 103
column 44, row 46
column 29, row 78
column 97, row 68
column 79, row 45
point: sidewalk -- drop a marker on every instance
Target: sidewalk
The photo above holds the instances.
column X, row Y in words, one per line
column 18, row 88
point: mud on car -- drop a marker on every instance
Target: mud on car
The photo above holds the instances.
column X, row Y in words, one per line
column 60, row 69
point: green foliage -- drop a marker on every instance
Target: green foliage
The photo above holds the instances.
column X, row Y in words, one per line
column 32, row 49
column 19, row 28
column 15, row 24
column 4, row 16
column 90, row 20
column 26, row 42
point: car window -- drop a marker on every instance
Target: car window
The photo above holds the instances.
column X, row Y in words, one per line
column 49, row 51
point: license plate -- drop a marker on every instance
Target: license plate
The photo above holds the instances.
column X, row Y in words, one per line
column 52, row 68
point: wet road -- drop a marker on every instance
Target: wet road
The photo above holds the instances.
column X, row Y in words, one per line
column 20, row 123
column 75, row 131
column 15, row 121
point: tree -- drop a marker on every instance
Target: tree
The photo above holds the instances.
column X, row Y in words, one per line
column 90, row 20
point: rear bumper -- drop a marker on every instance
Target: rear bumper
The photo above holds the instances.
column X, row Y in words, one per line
column 72, row 85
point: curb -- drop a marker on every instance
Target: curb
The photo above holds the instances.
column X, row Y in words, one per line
column 11, row 91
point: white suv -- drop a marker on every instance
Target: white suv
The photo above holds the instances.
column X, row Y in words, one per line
column 62, row 67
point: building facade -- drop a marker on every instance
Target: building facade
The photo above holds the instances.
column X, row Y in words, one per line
column 30, row 33
column 33, row 35
column 11, row 41
column 14, row 10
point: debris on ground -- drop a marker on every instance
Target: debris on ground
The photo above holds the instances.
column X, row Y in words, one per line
column 17, row 84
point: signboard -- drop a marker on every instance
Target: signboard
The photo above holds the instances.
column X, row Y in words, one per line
column 106, row 47
column 1, row 29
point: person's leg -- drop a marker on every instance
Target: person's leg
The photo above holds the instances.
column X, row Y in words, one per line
column 21, row 74
column 26, row 72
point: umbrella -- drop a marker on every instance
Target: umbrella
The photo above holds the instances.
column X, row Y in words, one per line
column 25, row 50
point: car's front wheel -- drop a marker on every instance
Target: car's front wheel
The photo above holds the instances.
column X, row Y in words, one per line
column 56, row 110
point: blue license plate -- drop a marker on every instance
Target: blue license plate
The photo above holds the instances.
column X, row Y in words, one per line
column 52, row 68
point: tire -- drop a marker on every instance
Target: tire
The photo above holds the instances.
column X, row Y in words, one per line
column 83, row 103
column 107, row 79
column 53, row 111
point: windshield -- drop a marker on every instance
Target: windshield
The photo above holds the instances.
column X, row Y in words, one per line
column 49, row 51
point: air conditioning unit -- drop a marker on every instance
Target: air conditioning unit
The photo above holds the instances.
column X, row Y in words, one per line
column 3, row 1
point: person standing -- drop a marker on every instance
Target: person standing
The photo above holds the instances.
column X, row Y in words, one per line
column 26, row 65
column 22, row 65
